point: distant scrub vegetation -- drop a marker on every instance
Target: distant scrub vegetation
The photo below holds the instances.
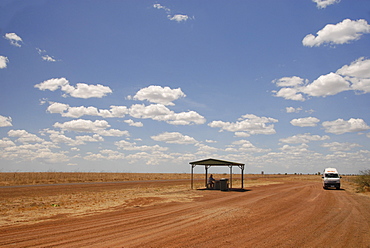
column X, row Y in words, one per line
column 363, row 181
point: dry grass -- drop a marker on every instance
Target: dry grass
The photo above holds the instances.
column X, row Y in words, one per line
column 32, row 209
column 32, row 178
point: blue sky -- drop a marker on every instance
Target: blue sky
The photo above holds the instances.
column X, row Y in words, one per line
column 149, row 86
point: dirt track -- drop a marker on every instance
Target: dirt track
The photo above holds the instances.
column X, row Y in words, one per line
column 290, row 214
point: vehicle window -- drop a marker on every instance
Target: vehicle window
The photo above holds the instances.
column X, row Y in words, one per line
column 332, row 175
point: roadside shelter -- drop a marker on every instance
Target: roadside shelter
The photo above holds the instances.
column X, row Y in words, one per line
column 207, row 163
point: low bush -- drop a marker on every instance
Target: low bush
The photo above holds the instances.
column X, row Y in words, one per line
column 363, row 181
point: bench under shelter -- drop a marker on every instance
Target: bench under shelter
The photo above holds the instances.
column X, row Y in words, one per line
column 207, row 163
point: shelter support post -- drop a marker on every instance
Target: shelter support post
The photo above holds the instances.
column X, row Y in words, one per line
column 206, row 181
column 192, row 175
column 231, row 176
column 242, row 170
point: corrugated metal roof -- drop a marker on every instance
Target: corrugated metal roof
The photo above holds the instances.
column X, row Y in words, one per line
column 211, row 161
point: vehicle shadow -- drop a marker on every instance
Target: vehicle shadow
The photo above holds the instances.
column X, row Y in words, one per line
column 334, row 189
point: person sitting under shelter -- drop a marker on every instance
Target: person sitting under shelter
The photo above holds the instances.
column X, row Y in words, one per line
column 211, row 182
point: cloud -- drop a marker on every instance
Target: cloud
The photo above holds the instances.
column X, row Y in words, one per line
column 160, row 112
column 52, row 84
column 81, row 90
column 156, row 112
column 158, row 94
column 340, row 33
column 75, row 112
column 303, row 138
column 336, row 146
column 6, row 142
column 125, row 145
column 59, row 137
column 305, row 122
column 3, row 62
column 341, row 126
column 326, row 85
column 34, row 152
column 289, row 81
column 178, row 18
column 205, row 149
column 83, row 125
column 290, row 94
column 133, row 123
column 322, row 4
column 293, row 110
column 5, row 121
column 248, row 124
column 174, row 138
column 14, row 39
column 295, row 150
column 158, row 6
column 24, row 136
column 88, row 126
column 48, row 58
column 358, row 73
column 244, row 146
column 359, row 68
column 45, row 57
column 105, row 154
column 355, row 76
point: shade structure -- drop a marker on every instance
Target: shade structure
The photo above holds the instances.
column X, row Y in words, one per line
column 207, row 163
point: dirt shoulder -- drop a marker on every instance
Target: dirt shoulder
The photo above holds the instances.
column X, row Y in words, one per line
column 277, row 212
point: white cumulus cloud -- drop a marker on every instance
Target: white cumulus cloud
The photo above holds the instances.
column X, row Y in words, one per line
column 340, row 33
column 81, row 90
column 160, row 112
column 159, row 6
column 293, row 110
column 88, row 126
column 24, row 136
column 3, row 62
column 14, row 39
column 6, row 142
column 81, row 125
column 178, row 17
column 133, row 123
column 289, row 81
column 326, row 85
column 44, row 56
column 158, row 94
column 174, row 138
column 248, row 124
column 358, row 73
column 303, row 138
column 341, row 126
column 128, row 146
column 322, row 4
column 355, row 77
column 305, row 122
column 75, row 112
column 337, row 146
column 5, row 121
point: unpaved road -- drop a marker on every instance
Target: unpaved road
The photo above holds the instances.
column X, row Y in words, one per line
column 290, row 214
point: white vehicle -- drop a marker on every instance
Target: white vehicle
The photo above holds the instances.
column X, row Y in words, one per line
column 331, row 178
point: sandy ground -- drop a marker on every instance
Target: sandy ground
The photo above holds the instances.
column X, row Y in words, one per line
column 269, row 213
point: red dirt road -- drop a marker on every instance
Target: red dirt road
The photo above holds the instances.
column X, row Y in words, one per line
column 291, row 214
